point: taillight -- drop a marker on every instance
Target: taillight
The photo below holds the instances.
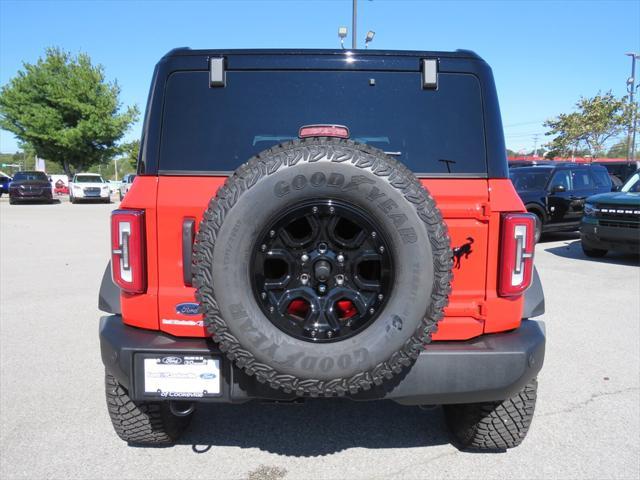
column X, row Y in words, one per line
column 516, row 256
column 128, row 264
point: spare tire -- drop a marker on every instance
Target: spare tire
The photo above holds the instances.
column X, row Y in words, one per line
column 322, row 267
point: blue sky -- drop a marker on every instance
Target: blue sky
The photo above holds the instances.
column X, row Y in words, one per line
column 544, row 54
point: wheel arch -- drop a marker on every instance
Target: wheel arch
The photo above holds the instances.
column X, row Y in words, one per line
column 537, row 209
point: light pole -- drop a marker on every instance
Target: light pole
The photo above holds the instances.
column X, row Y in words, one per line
column 354, row 22
column 342, row 31
column 631, row 88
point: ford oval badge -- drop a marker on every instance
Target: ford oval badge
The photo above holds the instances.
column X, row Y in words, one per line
column 189, row 308
column 172, row 360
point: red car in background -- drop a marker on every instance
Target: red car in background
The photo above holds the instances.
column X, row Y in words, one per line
column 60, row 188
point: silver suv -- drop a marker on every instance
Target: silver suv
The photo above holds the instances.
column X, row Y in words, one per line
column 126, row 184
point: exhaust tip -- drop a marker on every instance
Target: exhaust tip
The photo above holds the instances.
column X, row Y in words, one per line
column 181, row 409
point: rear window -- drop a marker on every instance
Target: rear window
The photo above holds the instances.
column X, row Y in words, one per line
column 526, row 180
column 217, row 129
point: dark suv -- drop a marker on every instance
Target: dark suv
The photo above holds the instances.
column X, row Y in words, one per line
column 322, row 223
column 30, row 186
column 556, row 193
column 612, row 221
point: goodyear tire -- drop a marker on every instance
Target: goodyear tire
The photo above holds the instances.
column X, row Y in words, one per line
column 493, row 426
column 141, row 423
column 281, row 180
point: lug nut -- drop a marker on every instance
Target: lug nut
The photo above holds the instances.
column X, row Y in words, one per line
column 272, row 309
column 340, row 258
column 263, row 295
column 381, row 249
column 329, row 334
column 332, row 210
column 272, row 233
column 263, row 247
column 304, row 278
column 372, row 311
column 322, row 288
column 322, row 248
column 314, row 209
column 374, row 234
column 380, row 296
column 314, row 333
column 340, row 279
column 304, row 258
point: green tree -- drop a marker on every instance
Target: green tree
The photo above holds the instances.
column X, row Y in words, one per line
column 618, row 150
column 131, row 152
column 595, row 121
column 63, row 107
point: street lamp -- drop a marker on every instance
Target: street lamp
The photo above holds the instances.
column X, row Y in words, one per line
column 369, row 38
column 342, row 33
column 631, row 88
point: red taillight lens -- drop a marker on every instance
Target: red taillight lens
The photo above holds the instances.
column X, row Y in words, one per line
column 128, row 265
column 516, row 257
column 323, row 131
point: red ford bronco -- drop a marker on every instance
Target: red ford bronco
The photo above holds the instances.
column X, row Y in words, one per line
column 322, row 223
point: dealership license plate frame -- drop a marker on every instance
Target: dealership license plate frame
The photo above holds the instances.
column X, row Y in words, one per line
column 212, row 364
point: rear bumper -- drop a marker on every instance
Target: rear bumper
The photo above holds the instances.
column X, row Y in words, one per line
column 490, row 367
column 620, row 239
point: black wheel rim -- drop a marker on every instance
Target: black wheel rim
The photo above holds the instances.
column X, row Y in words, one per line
column 322, row 271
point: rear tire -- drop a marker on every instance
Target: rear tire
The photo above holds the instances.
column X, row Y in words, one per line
column 493, row 425
column 593, row 252
column 142, row 423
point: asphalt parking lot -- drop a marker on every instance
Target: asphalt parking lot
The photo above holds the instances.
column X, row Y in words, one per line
column 54, row 422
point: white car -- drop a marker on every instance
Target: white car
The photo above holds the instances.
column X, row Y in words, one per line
column 89, row 187
column 126, row 184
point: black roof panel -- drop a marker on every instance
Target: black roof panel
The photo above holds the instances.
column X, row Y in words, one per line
column 186, row 51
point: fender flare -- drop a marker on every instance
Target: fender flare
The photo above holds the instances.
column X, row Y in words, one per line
column 109, row 296
column 534, row 297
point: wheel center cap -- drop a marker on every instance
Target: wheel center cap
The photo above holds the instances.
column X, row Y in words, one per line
column 322, row 270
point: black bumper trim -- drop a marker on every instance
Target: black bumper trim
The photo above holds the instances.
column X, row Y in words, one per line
column 487, row 368
column 610, row 238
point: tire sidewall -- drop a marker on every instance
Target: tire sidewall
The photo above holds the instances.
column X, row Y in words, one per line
column 406, row 236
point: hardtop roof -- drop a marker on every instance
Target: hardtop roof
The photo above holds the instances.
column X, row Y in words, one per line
column 187, row 51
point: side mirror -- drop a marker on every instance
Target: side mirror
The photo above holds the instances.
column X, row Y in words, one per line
column 558, row 189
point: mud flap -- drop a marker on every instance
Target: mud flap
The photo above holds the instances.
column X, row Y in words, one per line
column 109, row 296
column 534, row 298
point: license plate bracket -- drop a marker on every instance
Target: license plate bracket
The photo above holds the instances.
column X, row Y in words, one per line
column 172, row 376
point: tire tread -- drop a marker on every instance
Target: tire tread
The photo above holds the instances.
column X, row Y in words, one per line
column 493, row 425
column 144, row 423
column 309, row 150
